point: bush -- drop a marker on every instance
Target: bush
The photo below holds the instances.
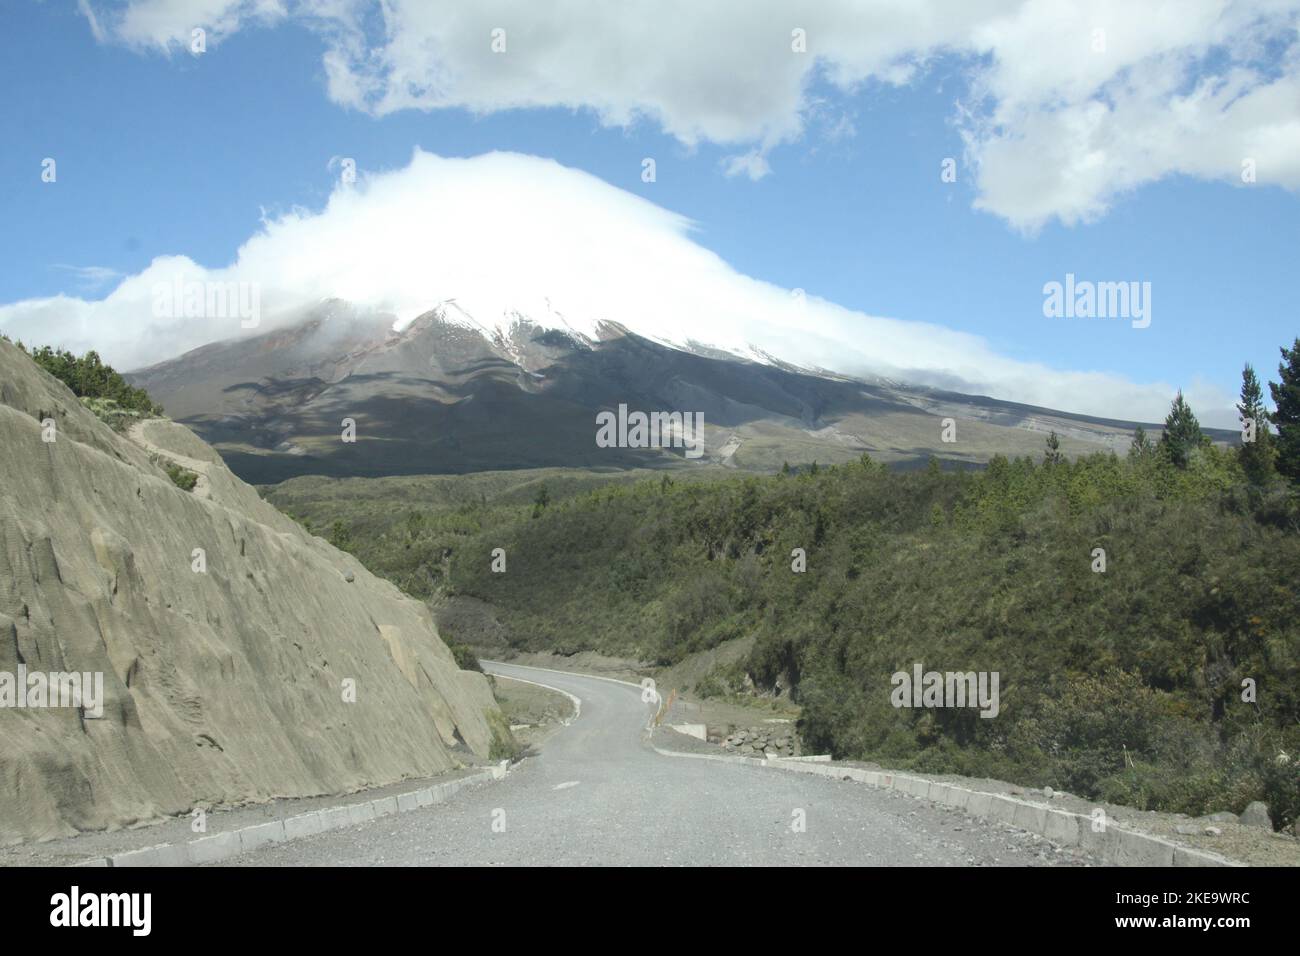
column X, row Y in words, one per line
column 112, row 414
column 466, row 659
column 503, row 746
column 182, row 478
column 1097, row 726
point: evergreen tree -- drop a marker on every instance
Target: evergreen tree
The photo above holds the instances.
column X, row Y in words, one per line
column 1053, row 454
column 1256, row 456
column 1286, row 415
column 1141, row 448
column 1182, row 433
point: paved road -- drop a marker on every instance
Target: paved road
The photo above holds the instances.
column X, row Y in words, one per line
column 599, row 795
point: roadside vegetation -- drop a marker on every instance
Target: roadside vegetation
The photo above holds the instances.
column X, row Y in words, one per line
column 1169, row 680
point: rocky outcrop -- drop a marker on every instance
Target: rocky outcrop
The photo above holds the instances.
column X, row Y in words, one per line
column 242, row 658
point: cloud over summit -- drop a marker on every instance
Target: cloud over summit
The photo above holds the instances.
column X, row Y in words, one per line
column 505, row 234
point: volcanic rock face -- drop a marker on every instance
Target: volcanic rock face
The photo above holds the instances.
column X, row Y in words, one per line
column 242, row 658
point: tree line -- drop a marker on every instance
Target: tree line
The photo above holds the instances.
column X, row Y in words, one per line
column 90, row 377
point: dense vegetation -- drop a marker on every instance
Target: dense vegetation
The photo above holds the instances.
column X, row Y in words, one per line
column 89, row 377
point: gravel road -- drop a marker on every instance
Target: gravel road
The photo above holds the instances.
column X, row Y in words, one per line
column 599, row 795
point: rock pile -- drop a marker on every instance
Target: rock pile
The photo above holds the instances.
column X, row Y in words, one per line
column 773, row 741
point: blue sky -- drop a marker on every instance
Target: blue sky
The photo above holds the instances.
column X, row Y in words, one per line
column 169, row 153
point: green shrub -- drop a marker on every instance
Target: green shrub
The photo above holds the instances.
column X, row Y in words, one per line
column 503, row 745
column 182, row 478
column 466, row 659
column 112, row 414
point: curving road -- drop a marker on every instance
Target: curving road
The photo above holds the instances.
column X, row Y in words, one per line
column 599, row 795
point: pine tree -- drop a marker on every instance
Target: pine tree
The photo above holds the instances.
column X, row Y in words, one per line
column 1141, row 448
column 1053, row 454
column 1182, row 433
column 1286, row 414
column 1256, row 456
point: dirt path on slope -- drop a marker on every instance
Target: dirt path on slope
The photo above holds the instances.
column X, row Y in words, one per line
column 138, row 434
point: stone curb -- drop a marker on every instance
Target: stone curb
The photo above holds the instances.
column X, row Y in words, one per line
column 231, row 843
column 1115, row 844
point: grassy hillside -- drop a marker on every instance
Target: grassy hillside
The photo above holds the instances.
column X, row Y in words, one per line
column 1125, row 685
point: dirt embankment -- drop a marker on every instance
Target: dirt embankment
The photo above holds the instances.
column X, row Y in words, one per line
column 242, row 659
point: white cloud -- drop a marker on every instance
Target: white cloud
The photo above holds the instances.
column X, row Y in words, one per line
column 1072, row 103
column 168, row 24
column 1176, row 89
column 95, row 29
column 89, row 278
column 752, row 164
column 502, row 233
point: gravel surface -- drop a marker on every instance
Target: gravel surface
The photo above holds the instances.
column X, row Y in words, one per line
column 599, row 795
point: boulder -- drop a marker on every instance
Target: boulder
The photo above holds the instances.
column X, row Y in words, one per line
column 1256, row 815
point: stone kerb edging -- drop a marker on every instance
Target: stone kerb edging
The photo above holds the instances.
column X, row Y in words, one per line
column 231, row 843
column 1114, row 844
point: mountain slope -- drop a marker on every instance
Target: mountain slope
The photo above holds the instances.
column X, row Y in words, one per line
column 221, row 685
column 449, row 395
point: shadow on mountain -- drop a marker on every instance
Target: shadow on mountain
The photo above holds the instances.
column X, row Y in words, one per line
column 440, row 398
